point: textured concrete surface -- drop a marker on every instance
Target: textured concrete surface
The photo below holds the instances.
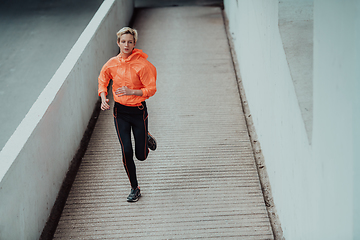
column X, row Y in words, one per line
column 202, row 181
column 35, row 38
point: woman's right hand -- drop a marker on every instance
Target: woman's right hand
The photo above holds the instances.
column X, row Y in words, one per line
column 105, row 105
column 104, row 102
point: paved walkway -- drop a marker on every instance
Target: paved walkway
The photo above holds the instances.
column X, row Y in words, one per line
column 201, row 182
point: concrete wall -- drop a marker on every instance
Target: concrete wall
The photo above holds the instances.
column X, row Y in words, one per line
column 35, row 160
column 337, row 116
column 315, row 187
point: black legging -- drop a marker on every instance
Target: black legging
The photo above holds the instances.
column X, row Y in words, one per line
column 135, row 118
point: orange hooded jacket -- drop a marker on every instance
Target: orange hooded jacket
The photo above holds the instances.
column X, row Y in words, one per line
column 135, row 72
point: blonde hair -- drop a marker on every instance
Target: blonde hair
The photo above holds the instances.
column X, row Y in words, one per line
column 127, row 30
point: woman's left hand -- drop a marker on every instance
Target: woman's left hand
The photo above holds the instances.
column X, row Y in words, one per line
column 122, row 91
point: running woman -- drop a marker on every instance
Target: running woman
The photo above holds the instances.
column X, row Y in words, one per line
column 134, row 81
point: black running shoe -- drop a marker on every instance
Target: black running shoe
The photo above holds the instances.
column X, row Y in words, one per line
column 151, row 142
column 134, row 195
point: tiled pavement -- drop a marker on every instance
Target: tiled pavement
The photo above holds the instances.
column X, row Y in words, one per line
column 202, row 181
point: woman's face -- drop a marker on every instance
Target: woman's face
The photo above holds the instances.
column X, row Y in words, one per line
column 126, row 44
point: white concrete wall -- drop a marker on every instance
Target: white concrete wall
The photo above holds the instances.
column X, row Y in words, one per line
column 315, row 188
column 337, row 116
column 35, row 160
